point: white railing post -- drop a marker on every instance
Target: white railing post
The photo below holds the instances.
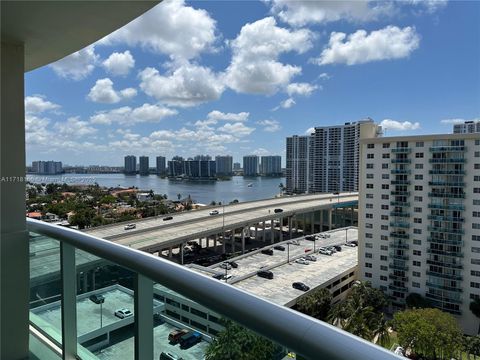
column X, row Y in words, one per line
column 69, row 301
column 143, row 312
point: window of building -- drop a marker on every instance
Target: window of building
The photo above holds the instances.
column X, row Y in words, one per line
column 475, row 261
column 476, row 178
column 417, row 209
column 369, row 206
column 369, row 245
column 418, row 166
column 383, row 268
column 383, row 258
column 369, row 196
column 369, row 166
column 416, row 274
column 418, row 198
column 368, row 235
column 477, row 154
column 384, row 217
column 369, row 176
column 416, row 263
column 476, row 237
column 476, row 249
column 415, row 284
column 384, row 166
column 369, row 186
column 385, row 196
column 383, row 278
column 476, row 166
column 369, row 255
column 476, row 213
column 418, row 188
column 386, row 156
column 383, row 227
column 419, row 177
column 475, row 273
column 368, row 225
column 370, row 146
column 419, row 144
column 385, row 207
column 386, row 145
column 385, row 176
column 417, row 253
column 419, row 155
column 369, row 216
column 417, row 242
column 474, row 284
column 368, row 275
column 368, row 265
column 477, row 142
column 384, row 247
column 385, row 186
column 370, row 156
column 185, row 307
column 198, row 313
column 383, row 237
column 417, row 231
column 476, row 226
column 476, row 190
column 417, row 220
column 476, row 201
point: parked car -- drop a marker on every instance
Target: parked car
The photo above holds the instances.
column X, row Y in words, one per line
column 226, row 277
column 279, row 247
column 267, row 251
column 278, row 211
column 265, row 274
column 310, row 237
column 130, row 226
column 214, row 212
column 97, row 298
column 233, row 264
column 324, row 251
column 190, row 339
column 175, row 335
column 167, row 218
column 338, row 248
column 300, row 286
column 354, row 242
column 218, row 276
column 225, row 265
column 169, row 356
column 295, row 242
column 311, row 258
column 349, row 244
column 332, row 249
column 123, row 313
column 302, row 261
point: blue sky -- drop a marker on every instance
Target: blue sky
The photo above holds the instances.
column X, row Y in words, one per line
column 218, row 77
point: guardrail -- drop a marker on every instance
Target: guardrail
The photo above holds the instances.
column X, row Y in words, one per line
column 302, row 334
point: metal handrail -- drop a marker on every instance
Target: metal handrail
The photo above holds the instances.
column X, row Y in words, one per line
column 300, row 333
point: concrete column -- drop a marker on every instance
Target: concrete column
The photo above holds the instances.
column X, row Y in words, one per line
column 256, row 231
column 352, row 215
column 312, row 219
column 281, row 229
column 170, row 252
column 290, row 227
column 215, row 239
column 321, row 220
column 330, row 211
column 14, row 246
column 264, row 232
column 200, row 242
column 233, row 240
column 223, row 243
column 272, row 232
column 85, row 282
column 243, row 240
column 181, row 252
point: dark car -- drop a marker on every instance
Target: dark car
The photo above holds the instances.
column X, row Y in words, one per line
column 300, row 286
column 278, row 210
column 336, row 193
column 234, row 264
column 338, row 247
column 279, row 247
column 354, row 242
column 167, row 218
column 97, row 299
column 310, row 237
column 265, row 274
column 267, row 251
column 218, row 276
column 190, row 339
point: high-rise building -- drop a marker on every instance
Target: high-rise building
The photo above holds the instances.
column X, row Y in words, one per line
column 298, row 164
column 467, row 127
column 236, row 166
column 144, row 165
column 161, row 166
column 333, row 157
column 130, row 164
column 200, row 169
column 202, row 157
column 271, row 166
column 419, row 220
column 224, row 165
column 250, row 165
column 47, row 167
column 176, row 166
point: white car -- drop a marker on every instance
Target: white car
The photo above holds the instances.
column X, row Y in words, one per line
column 123, row 313
column 225, row 266
column 325, row 252
column 130, row 226
column 350, row 245
column 214, row 212
column 302, row 261
column 310, row 258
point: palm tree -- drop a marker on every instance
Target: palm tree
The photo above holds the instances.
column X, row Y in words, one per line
column 475, row 309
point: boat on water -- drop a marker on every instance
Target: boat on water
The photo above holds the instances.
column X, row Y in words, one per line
column 250, row 185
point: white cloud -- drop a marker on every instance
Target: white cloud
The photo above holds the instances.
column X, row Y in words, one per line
column 310, row 131
column 237, row 129
column 261, row 152
column 303, row 89
column 187, row 85
column 78, row 65
column 127, row 116
column 457, row 121
column 430, row 6
column 74, row 127
column 324, row 76
column 399, row 125
column 119, row 63
column 218, row 115
column 103, row 92
column 285, row 104
column 37, row 104
column 254, row 67
column 360, row 47
column 270, row 125
column 170, row 28
column 301, row 13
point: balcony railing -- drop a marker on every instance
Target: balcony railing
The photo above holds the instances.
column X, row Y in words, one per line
column 401, row 161
column 400, row 171
column 445, row 230
column 398, row 192
column 397, row 288
column 445, row 276
column 446, row 183
column 398, row 277
column 444, row 241
column 443, row 298
column 400, row 203
column 447, row 195
column 446, row 206
column 399, row 214
column 445, row 252
column 448, row 148
column 398, row 245
column 398, row 235
column 444, row 264
column 401, row 150
column 400, row 182
column 302, row 334
column 444, row 287
column 446, row 172
column 400, row 224
column 447, row 161
column 446, row 218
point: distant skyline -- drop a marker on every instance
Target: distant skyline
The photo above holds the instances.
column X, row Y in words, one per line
column 239, row 77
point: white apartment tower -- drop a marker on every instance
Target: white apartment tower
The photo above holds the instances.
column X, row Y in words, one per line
column 332, row 156
column 224, row 165
column 467, row 127
column 271, row 165
column 419, row 220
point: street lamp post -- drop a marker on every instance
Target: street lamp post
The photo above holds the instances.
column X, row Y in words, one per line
column 99, row 300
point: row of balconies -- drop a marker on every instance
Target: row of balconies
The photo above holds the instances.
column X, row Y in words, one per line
column 446, row 253
column 448, row 148
column 446, row 206
column 446, row 218
column 446, row 183
column 444, row 287
column 447, row 160
column 444, row 264
column 446, row 172
column 447, row 195
column 431, row 239
column 445, row 276
column 445, row 230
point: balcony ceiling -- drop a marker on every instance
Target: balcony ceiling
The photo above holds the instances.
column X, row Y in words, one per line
column 52, row 30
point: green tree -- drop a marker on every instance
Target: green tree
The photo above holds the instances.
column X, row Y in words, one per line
column 236, row 342
column 475, row 309
column 316, row 304
column 431, row 333
column 83, row 218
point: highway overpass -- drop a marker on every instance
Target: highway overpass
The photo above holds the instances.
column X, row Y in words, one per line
column 155, row 235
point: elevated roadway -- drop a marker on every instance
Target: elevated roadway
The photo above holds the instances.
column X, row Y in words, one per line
column 155, row 234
